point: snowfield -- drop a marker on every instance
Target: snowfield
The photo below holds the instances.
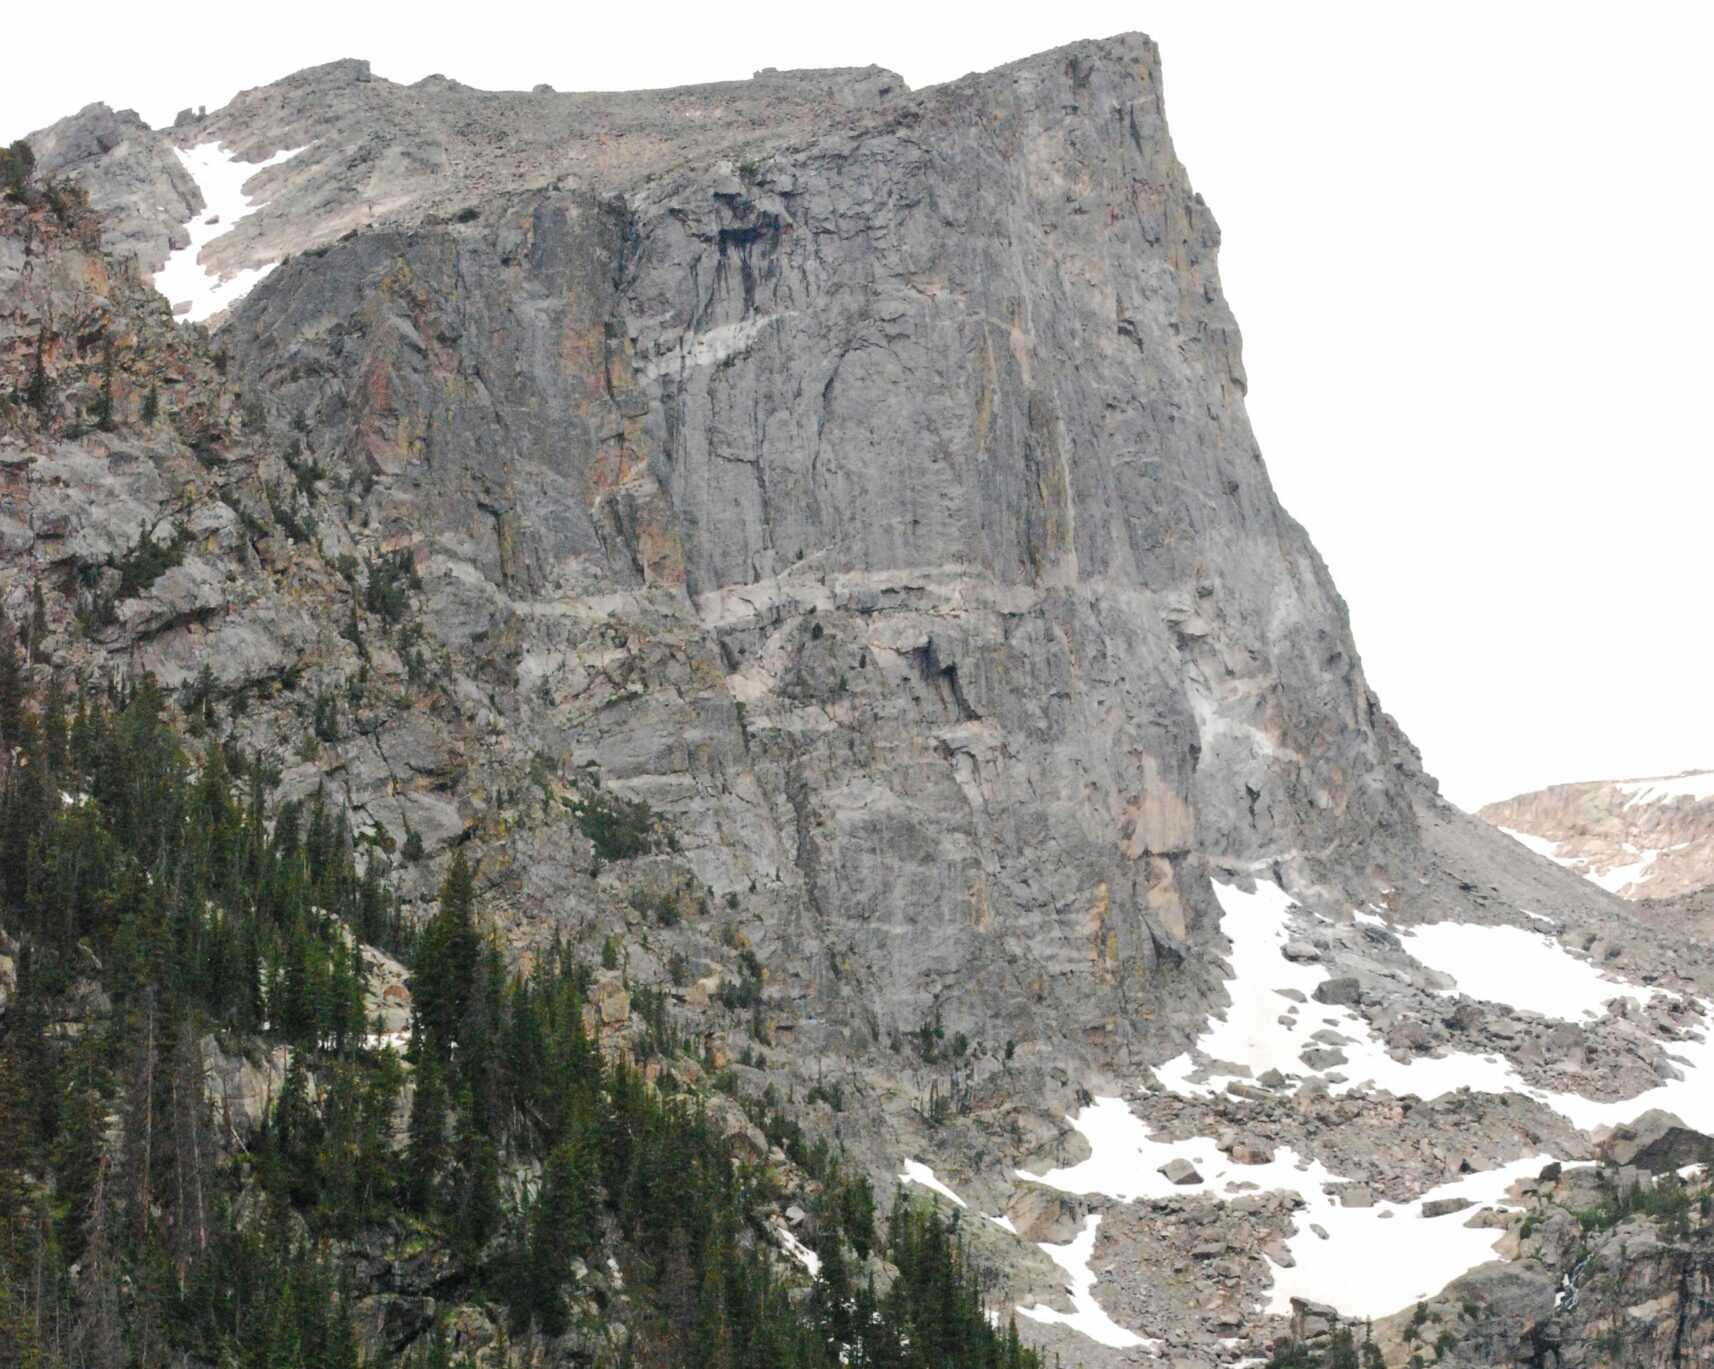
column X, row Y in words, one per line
column 916, row 1172
column 196, row 293
column 1527, row 970
column 1363, row 1261
column 1359, row 1267
column 1251, row 1038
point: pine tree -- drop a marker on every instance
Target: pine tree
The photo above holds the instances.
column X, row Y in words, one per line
column 476, row 1212
column 445, row 962
column 425, row 1154
column 11, row 687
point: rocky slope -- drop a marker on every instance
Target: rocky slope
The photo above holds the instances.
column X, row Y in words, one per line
column 1642, row 839
column 860, row 479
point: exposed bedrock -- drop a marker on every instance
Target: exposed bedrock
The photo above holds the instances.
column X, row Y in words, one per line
column 924, row 446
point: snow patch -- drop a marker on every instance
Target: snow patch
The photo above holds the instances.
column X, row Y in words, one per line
column 1521, row 969
column 1696, row 785
column 916, row 1172
column 1372, row 1261
column 1086, row 1315
column 1615, row 880
column 197, row 294
column 1267, row 1028
column 798, row 1250
column 1621, row 877
column 1540, row 845
column 1364, row 1261
column 1376, row 1260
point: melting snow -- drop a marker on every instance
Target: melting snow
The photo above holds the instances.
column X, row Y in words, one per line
column 1615, row 880
column 195, row 292
column 1358, row 1267
column 1267, row 1028
column 916, row 1172
column 1621, row 877
column 1253, row 1037
column 798, row 1250
column 1540, row 845
column 1527, row 970
column 1375, row 1260
column 1086, row 1314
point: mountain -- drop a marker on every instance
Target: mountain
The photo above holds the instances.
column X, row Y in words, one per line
column 799, row 542
column 1647, row 838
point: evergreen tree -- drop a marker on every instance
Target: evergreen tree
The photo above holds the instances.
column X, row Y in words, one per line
column 425, row 1155
column 445, row 963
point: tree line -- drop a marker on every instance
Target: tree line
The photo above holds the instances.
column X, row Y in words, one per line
column 158, row 900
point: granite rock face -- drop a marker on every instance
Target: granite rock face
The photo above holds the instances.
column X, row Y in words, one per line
column 927, row 442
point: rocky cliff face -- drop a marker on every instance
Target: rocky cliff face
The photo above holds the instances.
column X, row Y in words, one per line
column 1643, row 839
column 859, row 479
column 997, row 648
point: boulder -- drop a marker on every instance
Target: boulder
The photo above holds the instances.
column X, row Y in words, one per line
column 1657, row 1142
column 1520, row 1293
column 1342, row 992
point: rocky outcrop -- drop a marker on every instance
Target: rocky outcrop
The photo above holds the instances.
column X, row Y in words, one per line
column 379, row 153
column 134, row 182
column 1615, row 1268
column 1642, row 839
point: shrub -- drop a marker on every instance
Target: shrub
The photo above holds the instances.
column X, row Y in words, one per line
column 619, row 828
column 17, row 165
column 148, row 560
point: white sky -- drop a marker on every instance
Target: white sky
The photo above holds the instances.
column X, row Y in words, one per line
column 1468, row 244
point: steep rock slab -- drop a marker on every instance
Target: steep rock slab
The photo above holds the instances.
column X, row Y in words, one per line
column 913, row 460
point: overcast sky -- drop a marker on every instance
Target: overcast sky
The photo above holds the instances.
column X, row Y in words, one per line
column 1468, row 244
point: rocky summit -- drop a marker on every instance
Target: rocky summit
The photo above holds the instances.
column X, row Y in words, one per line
column 783, row 568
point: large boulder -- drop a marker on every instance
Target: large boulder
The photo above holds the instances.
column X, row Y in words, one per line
column 1657, row 1142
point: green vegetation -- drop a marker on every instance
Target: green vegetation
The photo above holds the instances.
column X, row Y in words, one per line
column 619, row 828
column 1668, row 1201
column 17, row 165
column 386, row 590
column 149, row 560
column 155, row 902
column 161, row 906
column 1343, row 1352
